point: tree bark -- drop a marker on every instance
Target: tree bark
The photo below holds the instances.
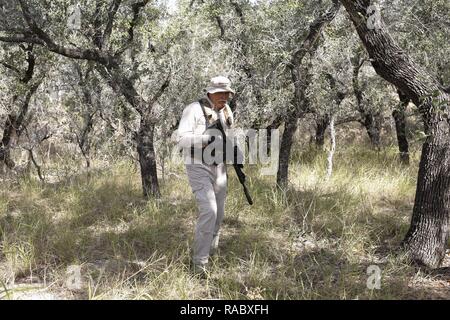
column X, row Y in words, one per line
column 322, row 123
column 427, row 237
column 5, row 146
column 147, row 158
column 372, row 123
column 83, row 138
column 426, row 240
column 332, row 148
column 290, row 127
column 274, row 125
column 400, row 127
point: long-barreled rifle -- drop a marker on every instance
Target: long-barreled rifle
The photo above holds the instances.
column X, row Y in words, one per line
column 237, row 155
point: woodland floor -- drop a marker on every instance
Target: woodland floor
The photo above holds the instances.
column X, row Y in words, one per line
column 313, row 241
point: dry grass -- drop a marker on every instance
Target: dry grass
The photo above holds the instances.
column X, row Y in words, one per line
column 313, row 241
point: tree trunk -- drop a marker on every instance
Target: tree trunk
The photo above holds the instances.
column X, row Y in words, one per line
column 322, row 123
column 428, row 235
column 147, row 157
column 372, row 123
column 426, row 240
column 274, row 125
column 83, row 139
column 290, row 128
column 5, row 146
column 92, row 105
column 400, row 128
column 332, row 148
column 144, row 138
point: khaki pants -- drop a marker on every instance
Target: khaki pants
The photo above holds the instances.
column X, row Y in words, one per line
column 209, row 185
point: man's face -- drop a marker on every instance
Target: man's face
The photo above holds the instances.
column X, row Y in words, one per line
column 219, row 99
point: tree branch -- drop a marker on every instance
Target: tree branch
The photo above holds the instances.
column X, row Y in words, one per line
column 136, row 7
column 161, row 90
column 22, row 39
column 314, row 31
column 86, row 54
column 114, row 7
column 31, row 60
column 221, row 26
column 98, row 36
column 239, row 12
column 11, row 67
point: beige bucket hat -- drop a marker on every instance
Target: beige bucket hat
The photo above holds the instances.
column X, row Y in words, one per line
column 219, row 84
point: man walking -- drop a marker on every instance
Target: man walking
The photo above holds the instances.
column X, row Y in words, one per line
column 208, row 181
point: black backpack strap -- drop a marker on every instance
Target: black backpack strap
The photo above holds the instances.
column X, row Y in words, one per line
column 202, row 105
